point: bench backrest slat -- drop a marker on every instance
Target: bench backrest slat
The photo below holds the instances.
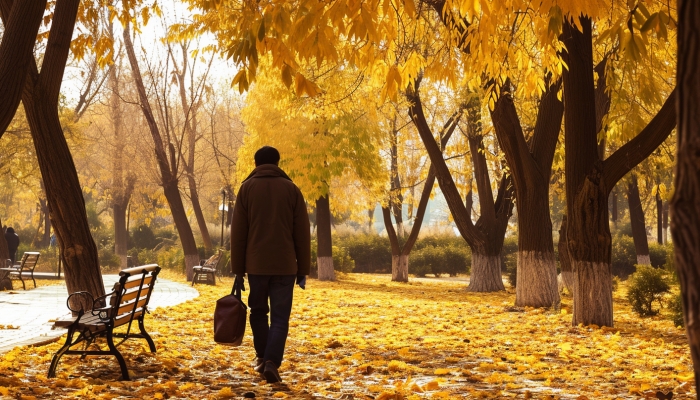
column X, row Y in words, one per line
column 137, row 282
column 134, row 293
column 29, row 260
column 129, row 306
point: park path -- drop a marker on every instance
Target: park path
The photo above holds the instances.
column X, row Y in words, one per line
column 29, row 314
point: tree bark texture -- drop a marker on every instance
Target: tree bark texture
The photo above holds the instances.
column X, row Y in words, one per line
column 63, row 190
column 485, row 275
column 639, row 232
column 665, row 222
column 399, row 268
column 168, row 173
column 324, row 240
column 531, row 167
column 685, row 205
column 21, row 20
column 566, row 276
column 590, row 179
column 486, row 236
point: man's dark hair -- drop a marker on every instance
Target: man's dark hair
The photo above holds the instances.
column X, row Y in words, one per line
column 267, row 155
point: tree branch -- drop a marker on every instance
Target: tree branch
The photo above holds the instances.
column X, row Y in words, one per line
column 638, row 149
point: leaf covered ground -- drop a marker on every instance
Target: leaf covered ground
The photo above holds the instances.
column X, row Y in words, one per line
column 366, row 337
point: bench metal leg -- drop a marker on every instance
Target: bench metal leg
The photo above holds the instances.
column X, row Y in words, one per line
column 33, row 280
column 113, row 350
column 146, row 336
column 24, row 287
column 59, row 353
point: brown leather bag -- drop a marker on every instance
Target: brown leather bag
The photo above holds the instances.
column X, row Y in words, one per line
column 229, row 319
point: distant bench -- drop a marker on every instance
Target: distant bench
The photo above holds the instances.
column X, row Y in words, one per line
column 24, row 268
column 128, row 302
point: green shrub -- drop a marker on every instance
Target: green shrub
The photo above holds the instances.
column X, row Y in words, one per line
column 446, row 260
column 144, row 238
column 107, row 258
column 646, row 286
column 510, row 246
column 371, row 252
column 341, row 260
column 675, row 305
column 624, row 256
column 511, row 268
column 171, row 258
column 657, row 254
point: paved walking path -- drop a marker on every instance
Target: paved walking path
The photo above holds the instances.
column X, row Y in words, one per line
column 30, row 312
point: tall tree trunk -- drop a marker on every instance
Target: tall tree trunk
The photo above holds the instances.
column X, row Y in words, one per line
column 589, row 179
column 659, row 219
column 567, row 274
column 168, row 173
column 21, row 22
column 5, row 284
column 531, row 166
column 324, row 240
column 370, row 215
column 63, row 190
column 685, row 205
column 121, row 188
column 399, row 254
column 396, row 198
column 191, row 128
column 486, row 236
column 639, row 231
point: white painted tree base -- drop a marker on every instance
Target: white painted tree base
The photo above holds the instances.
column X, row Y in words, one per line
column 537, row 280
column 399, row 268
column 325, row 269
column 485, row 274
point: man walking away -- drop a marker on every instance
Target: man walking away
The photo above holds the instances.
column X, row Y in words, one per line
column 271, row 242
column 12, row 243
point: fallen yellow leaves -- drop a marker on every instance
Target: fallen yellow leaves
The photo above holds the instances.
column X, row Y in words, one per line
column 366, row 337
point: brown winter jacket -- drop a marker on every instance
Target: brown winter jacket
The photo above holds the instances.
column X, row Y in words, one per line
column 270, row 233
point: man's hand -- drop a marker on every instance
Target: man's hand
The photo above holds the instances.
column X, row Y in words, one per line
column 238, row 284
column 301, row 281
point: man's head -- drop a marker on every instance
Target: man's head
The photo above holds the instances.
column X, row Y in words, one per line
column 10, row 230
column 267, row 155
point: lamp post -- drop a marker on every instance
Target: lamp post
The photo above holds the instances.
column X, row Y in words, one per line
column 223, row 213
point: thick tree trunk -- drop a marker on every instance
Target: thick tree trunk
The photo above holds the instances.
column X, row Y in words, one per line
column 399, row 268
column 168, row 172
column 485, row 275
column 639, row 232
column 531, row 165
column 593, row 293
column 659, row 219
column 685, row 205
column 324, row 240
column 63, row 189
column 370, row 215
column 21, row 22
column 588, row 179
column 566, row 277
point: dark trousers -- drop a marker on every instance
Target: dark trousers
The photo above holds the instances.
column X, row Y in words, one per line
column 269, row 338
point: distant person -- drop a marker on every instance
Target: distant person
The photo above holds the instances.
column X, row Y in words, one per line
column 12, row 243
column 52, row 240
column 270, row 241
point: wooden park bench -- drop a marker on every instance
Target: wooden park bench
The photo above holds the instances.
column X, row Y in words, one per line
column 207, row 270
column 25, row 268
column 128, row 302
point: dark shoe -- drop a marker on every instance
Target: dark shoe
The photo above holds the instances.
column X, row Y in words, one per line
column 270, row 372
column 259, row 365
